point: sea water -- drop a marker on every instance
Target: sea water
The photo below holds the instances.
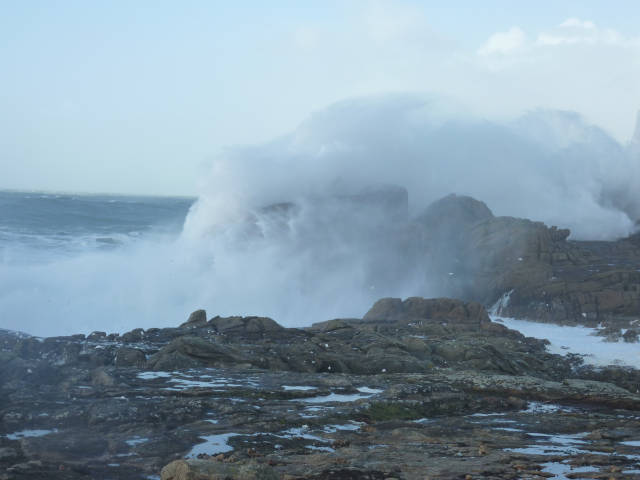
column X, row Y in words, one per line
column 72, row 263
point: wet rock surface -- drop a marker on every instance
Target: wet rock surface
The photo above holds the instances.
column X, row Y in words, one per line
column 416, row 389
column 547, row 277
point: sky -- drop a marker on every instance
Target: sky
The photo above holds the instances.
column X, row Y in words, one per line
column 139, row 97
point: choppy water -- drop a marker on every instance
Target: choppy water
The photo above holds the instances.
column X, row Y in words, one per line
column 73, row 263
column 39, row 226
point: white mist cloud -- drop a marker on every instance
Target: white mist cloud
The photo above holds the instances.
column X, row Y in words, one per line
column 504, row 42
column 331, row 255
column 318, row 261
column 572, row 66
column 577, row 23
column 163, row 95
column 574, row 31
column 547, row 165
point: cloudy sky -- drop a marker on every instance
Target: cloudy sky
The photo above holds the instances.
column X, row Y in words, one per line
column 138, row 97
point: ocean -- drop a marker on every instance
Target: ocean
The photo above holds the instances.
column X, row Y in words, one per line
column 69, row 262
column 74, row 263
column 81, row 263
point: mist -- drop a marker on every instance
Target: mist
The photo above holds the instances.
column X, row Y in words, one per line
column 545, row 165
column 316, row 256
column 317, row 224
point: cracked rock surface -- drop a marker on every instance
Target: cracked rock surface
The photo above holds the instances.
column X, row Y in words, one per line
column 420, row 388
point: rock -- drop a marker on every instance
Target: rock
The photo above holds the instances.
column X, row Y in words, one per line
column 331, row 325
column 96, row 336
column 134, row 336
column 60, row 447
column 610, row 334
column 448, row 214
column 630, row 336
column 130, row 357
column 7, row 454
column 196, row 320
column 385, row 309
column 244, row 326
column 439, row 381
column 480, row 257
column 101, row 378
column 197, row 469
column 436, row 309
column 188, row 351
column 176, row 470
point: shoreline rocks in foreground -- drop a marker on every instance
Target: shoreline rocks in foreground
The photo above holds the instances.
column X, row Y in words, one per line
column 416, row 388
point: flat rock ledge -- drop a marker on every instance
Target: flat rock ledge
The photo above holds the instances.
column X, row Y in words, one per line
column 417, row 388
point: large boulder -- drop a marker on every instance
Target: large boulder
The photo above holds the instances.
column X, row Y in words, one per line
column 449, row 214
column 211, row 469
column 189, row 351
column 197, row 319
column 417, row 308
column 245, row 326
column 130, row 357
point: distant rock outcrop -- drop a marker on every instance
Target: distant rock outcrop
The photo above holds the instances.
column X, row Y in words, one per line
column 453, row 212
column 481, row 257
column 434, row 309
column 196, row 319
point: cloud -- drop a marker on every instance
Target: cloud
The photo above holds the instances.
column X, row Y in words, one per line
column 504, row 42
column 321, row 257
column 575, row 31
column 572, row 31
column 546, row 165
column 575, row 65
column 576, row 22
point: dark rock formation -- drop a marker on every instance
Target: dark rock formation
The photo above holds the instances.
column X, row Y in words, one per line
column 417, row 387
column 630, row 336
column 195, row 320
column 129, row 357
column 416, row 308
column 457, row 248
column 550, row 278
column 449, row 214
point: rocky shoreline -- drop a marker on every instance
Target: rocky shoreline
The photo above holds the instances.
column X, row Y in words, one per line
column 420, row 388
column 415, row 389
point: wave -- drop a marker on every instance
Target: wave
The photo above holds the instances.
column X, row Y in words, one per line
column 286, row 229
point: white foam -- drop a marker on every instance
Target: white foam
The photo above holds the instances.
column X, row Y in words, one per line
column 300, row 432
column 132, row 442
column 30, row 433
column 333, row 397
column 351, row 426
column 321, row 448
column 632, row 443
column 559, row 444
column 370, row 390
column 538, row 407
column 560, row 469
column 213, row 445
column 579, row 340
column 547, row 450
column 183, row 384
column 152, row 375
column 562, row 439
